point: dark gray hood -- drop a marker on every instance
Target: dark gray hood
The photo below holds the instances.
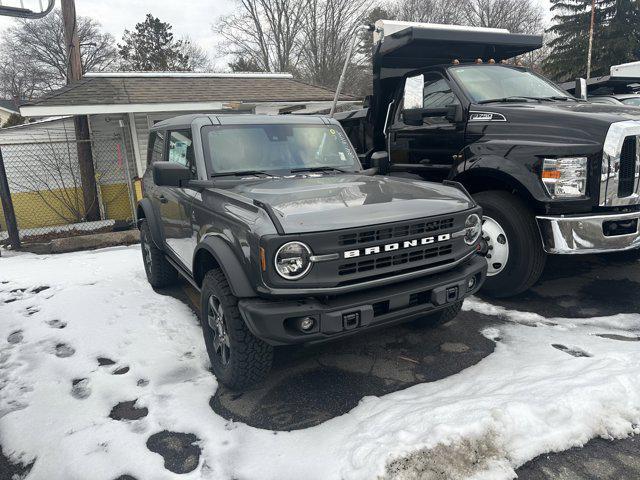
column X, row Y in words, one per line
column 331, row 202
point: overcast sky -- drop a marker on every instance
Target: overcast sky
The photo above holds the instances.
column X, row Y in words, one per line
column 192, row 17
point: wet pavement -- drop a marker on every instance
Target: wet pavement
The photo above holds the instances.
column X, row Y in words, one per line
column 310, row 385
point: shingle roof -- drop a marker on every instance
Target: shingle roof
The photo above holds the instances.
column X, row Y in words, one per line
column 123, row 90
column 9, row 105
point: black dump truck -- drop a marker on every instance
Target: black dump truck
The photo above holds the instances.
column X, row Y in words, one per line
column 554, row 174
column 289, row 241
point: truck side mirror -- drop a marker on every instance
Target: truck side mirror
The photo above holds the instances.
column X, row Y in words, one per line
column 380, row 161
column 413, row 116
column 454, row 113
column 166, row 174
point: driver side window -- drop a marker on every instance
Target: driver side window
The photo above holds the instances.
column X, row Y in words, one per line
column 181, row 150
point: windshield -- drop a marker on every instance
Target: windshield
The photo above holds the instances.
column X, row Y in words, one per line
column 493, row 82
column 264, row 148
column 632, row 101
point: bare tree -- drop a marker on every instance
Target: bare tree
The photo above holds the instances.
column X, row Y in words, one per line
column 199, row 60
column 19, row 78
column 523, row 16
column 328, row 31
column 264, row 33
column 430, row 11
column 41, row 46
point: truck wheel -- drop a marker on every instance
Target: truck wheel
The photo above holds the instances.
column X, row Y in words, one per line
column 515, row 258
column 238, row 358
column 160, row 272
column 441, row 317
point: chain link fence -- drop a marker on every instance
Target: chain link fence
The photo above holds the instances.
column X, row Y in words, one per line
column 46, row 187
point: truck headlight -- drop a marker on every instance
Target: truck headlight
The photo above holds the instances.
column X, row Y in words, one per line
column 472, row 229
column 293, row 260
column 565, row 177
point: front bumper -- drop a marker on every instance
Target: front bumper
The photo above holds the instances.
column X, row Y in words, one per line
column 590, row 234
column 274, row 321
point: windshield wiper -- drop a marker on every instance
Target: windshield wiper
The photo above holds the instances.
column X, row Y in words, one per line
column 243, row 173
column 318, row 169
column 510, row 99
column 562, row 99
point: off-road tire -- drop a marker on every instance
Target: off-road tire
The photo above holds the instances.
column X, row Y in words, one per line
column 160, row 272
column 250, row 358
column 526, row 256
column 440, row 317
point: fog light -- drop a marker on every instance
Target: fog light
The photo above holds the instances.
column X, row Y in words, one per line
column 471, row 283
column 306, row 324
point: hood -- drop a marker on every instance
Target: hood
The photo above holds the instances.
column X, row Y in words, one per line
column 560, row 122
column 331, row 202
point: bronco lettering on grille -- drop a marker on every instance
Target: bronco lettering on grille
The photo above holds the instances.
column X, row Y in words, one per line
column 390, row 247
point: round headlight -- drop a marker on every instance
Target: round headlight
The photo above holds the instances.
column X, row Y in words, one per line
column 293, row 260
column 472, row 229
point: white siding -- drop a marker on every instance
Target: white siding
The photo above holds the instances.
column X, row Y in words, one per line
column 43, row 131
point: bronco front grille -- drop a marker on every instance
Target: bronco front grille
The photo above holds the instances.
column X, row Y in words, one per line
column 381, row 234
column 373, row 264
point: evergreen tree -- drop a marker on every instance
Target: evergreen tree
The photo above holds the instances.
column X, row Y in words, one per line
column 244, row 64
column 151, row 47
column 616, row 37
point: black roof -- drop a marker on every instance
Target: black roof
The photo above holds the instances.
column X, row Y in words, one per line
column 120, row 89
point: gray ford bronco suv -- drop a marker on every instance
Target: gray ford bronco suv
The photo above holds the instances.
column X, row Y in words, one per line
column 289, row 241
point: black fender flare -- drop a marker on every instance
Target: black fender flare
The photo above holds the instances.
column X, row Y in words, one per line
column 152, row 221
column 227, row 260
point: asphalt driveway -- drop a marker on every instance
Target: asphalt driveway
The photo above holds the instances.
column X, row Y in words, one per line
column 310, row 385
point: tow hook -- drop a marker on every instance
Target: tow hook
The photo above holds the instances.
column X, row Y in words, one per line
column 483, row 247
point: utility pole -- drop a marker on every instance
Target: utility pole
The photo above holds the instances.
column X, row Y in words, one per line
column 81, row 122
column 591, row 28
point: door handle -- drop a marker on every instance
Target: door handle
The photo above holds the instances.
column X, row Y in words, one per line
column 163, row 199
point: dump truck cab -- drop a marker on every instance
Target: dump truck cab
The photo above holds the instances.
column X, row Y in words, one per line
column 554, row 174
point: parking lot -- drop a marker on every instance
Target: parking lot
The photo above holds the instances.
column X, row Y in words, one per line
column 311, row 385
column 497, row 388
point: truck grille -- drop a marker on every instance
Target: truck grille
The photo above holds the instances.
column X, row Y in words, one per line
column 627, row 167
column 620, row 170
column 395, row 232
column 394, row 260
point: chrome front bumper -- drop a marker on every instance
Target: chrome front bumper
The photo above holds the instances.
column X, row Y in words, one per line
column 586, row 234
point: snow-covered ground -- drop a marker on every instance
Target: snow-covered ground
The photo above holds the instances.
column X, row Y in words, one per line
column 549, row 385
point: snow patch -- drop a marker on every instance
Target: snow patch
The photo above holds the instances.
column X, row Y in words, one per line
column 525, row 399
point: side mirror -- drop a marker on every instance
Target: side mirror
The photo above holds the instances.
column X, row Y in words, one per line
column 380, row 161
column 454, row 113
column 413, row 116
column 166, row 174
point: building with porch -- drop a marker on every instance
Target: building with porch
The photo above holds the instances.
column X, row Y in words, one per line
column 130, row 103
column 41, row 157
